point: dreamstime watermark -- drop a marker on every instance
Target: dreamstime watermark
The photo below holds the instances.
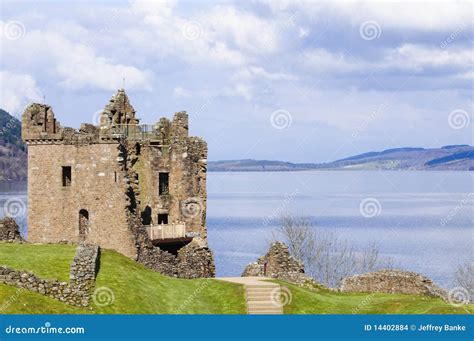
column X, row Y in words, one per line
column 281, row 208
column 449, row 39
column 278, row 31
column 370, row 30
column 10, row 300
column 103, row 297
column 46, row 329
column 105, row 25
column 97, row 117
column 12, row 123
column 281, row 296
column 193, row 296
column 458, row 119
column 192, row 30
column 368, row 299
column 454, row 212
column 458, row 296
column 281, row 119
column 14, row 207
column 13, row 30
column 370, row 208
column 368, row 120
column 191, row 207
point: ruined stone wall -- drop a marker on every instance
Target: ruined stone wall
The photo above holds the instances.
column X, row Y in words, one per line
column 77, row 292
column 278, row 263
column 194, row 260
column 185, row 159
column 97, row 186
column 9, row 230
column 392, row 282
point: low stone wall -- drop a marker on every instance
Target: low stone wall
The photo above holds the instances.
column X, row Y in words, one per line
column 278, row 263
column 392, row 282
column 9, row 230
column 81, row 284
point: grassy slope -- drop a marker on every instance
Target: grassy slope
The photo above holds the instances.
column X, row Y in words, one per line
column 139, row 290
column 305, row 301
column 136, row 289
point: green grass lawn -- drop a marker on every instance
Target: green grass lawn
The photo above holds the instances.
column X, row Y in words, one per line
column 136, row 289
column 304, row 301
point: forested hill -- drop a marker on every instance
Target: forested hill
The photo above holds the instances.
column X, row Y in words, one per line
column 12, row 149
column 454, row 157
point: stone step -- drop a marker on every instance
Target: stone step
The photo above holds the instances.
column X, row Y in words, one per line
column 261, row 289
column 265, row 313
column 264, row 310
column 258, row 304
column 251, row 309
column 260, row 286
column 259, row 297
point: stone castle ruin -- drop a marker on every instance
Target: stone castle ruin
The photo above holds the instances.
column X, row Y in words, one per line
column 138, row 189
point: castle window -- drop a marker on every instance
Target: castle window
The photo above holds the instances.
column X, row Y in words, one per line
column 163, row 218
column 115, row 176
column 83, row 224
column 163, row 185
column 67, row 176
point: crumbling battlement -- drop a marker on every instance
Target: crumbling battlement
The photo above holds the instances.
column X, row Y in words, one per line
column 121, row 185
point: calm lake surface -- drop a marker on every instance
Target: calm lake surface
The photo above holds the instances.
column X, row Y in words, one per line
column 422, row 220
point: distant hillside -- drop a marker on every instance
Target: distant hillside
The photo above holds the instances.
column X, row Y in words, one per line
column 455, row 157
column 13, row 158
column 12, row 149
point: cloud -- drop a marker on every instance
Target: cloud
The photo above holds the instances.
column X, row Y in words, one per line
column 403, row 14
column 17, row 90
column 250, row 60
column 411, row 58
column 417, row 58
column 73, row 65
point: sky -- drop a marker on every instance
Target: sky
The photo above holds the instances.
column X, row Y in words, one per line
column 276, row 80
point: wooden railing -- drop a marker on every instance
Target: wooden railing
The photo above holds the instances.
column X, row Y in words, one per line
column 168, row 231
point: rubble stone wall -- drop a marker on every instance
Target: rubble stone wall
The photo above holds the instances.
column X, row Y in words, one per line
column 9, row 230
column 278, row 263
column 392, row 282
column 77, row 292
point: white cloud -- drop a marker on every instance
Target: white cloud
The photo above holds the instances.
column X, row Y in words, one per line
column 180, row 92
column 416, row 57
column 402, row 14
column 73, row 65
column 409, row 57
column 323, row 61
column 16, row 91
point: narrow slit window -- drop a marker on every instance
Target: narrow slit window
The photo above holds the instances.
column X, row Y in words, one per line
column 115, row 176
column 67, row 176
column 163, row 218
column 163, row 185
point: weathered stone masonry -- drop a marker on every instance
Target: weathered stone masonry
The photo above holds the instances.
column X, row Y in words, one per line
column 9, row 230
column 279, row 264
column 77, row 292
column 138, row 189
column 392, row 282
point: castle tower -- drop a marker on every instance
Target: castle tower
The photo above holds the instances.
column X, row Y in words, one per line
column 138, row 189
